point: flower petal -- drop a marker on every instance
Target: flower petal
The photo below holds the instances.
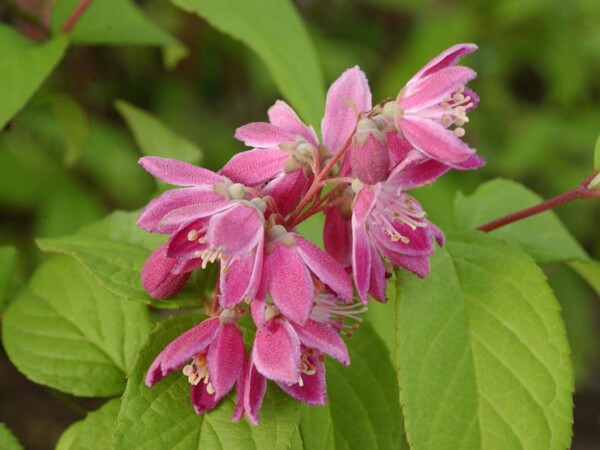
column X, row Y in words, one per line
column 226, row 359
column 263, row 135
column 348, row 96
column 370, row 162
column 447, row 58
column 325, row 267
column 313, row 390
column 277, row 352
column 242, row 277
column 179, row 173
column 324, row 338
column 337, row 236
column 434, row 140
column 181, row 246
column 255, row 167
column 158, row 279
column 283, row 116
column 289, row 283
column 189, row 344
column 286, row 190
column 251, row 391
column 235, row 231
column 419, row 265
column 201, row 399
column 377, row 281
column 423, row 171
column 361, row 262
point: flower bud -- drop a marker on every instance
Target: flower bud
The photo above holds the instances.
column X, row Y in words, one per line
column 369, row 155
column 157, row 278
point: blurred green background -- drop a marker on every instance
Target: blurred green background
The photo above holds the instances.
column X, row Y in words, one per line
column 68, row 158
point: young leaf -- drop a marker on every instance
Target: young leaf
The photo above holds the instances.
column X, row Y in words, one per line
column 154, row 138
column 276, row 33
column 67, row 332
column 7, row 262
column 7, row 440
column 117, row 22
column 163, row 416
column 543, row 236
column 482, row 356
column 24, row 65
column 114, row 251
column 95, row 431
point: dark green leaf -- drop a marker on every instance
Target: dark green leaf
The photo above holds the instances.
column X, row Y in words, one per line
column 482, row 356
column 67, row 332
column 543, row 236
column 8, row 256
column 274, row 31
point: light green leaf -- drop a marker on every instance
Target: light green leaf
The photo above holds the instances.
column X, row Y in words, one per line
column 482, row 356
column 114, row 251
column 93, row 432
column 154, row 139
column 117, row 22
column 276, row 33
column 162, row 416
column 67, row 332
column 597, row 155
column 543, row 236
column 8, row 255
column 7, row 440
column 24, row 65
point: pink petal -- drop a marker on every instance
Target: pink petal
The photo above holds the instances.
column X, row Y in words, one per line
column 180, row 245
column 447, row 58
column 263, row 135
column 187, row 265
column 277, row 352
column 435, row 88
column 226, row 359
column 337, row 236
column 236, row 231
column 290, row 284
column 201, row 399
column 313, row 389
column 287, row 189
column 364, row 202
column 471, row 163
column 251, row 391
column 182, row 349
column 179, row 173
column 325, row 267
column 158, row 279
column 348, row 96
column 419, row 265
column 434, row 140
column 242, row 277
column 281, row 115
column 255, row 167
column 377, row 281
column 361, row 263
column 370, row 162
column 323, row 338
column 177, row 207
column 424, row 172
column 398, row 147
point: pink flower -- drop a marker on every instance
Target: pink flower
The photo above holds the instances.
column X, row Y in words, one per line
column 218, row 358
column 283, row 160
column 158, row 278
column 209, row 219
column 432, row 101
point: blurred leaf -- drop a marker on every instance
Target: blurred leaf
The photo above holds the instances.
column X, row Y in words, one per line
column 597, row 155
column 24, row 65
column 114, row 251
column 482, row 356
column 67, row 332
column 117, row 22
column 589, row 271
column 543, row 236
column 7, row 440
column 275, row 31
column 8, row 255
column 93, row 432
column 73, row 123
column 154, row 138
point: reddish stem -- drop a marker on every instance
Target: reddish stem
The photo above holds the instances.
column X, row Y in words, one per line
column 75, row 15
column 580, row 191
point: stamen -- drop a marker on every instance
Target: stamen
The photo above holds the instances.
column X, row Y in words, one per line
column 192, row 235
column 459, row 131
column 237, row 191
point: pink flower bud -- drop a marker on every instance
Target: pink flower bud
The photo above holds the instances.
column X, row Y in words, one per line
column 157, row 278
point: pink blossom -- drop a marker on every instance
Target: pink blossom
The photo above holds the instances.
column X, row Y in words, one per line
column 218, row 358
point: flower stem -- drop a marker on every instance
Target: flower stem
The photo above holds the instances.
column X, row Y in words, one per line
column 581, row 191
column 75, row 15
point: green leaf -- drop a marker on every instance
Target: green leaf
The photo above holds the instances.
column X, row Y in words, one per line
column 543, row 236
column 67, row 332
column 154, row 138
column 276, row 33
column 7, row 440
column 117, row 22
column 24, row 66
column 8, row 255
column 597, row 155
column 482, row 356
column 114, row 251
column 589, row 271
column 162, row 416
column 95, row 431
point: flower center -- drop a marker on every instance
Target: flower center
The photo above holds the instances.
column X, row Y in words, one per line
column 389, row 214
column 197, row 371
column 328, row 310
column 455, row 111
column 306, row 366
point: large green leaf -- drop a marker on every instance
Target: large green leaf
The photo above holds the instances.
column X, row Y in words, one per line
column 114, row 251
column 482, row 356
column 67, row 332
column 154, row 138
column 24, row 65
column 543, row 236
column 7, row 262
column 275, row 32
column 93, row 432
column 117, row 22
column 589, row 271
column 7, row 440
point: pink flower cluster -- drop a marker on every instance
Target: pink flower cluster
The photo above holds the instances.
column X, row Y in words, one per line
column 245, row 218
